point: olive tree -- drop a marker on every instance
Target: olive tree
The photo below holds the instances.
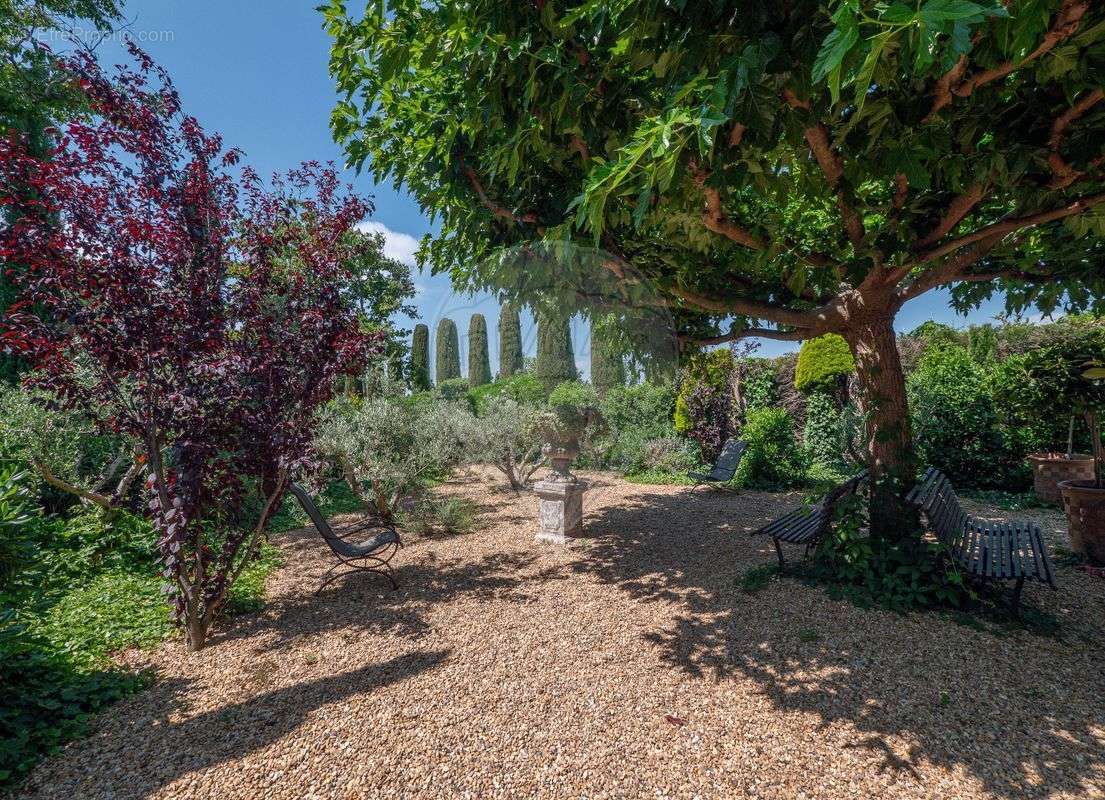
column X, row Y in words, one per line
column 782, row 170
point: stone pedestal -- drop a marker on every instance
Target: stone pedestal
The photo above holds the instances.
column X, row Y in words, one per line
column 560, row 513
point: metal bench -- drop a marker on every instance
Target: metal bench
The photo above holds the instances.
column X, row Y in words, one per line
column 1005, row 551
column 726, row 466
column 369, row 555
column 808, row 526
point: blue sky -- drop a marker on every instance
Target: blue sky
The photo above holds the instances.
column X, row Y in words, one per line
column 256, row 70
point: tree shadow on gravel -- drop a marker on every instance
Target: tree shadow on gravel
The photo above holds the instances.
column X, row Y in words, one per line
column 172, row 750
column 362, row 603
column 1020, row 713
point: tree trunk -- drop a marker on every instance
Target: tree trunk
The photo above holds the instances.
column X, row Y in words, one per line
column 195, row 634
column 890, row 456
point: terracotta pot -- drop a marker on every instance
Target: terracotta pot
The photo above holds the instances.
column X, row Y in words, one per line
column 1048, row 469
column 1085, row 507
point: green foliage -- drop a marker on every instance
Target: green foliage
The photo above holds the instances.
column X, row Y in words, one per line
column 711, row 370
column 634, row 417
column 756, row 578
column 773, row 459
column 15, row 503
column 446, row 351
column 555, row 362
column 756, row 379
column 954, row 423
column 574, row 394
column 522, row 387
column 511, row 360
column 822, row 437
column 608, row 367
column 901, row 575
column 420, row 359
column 822, row 362
column 479, row 362
column 442, row 515
column 453, row 389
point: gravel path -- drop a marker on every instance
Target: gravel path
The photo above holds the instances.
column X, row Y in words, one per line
column 627, row 665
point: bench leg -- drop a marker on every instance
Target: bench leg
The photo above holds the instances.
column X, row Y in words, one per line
column 779, row 552
column 1017, row 596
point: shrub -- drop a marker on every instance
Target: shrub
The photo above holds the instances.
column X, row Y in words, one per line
column 479, row 363
column 954, row 424
column 703, row 408
column 773, row 459
column 393, row 447
column 507, row 437
column 521, row 387
column 431, row 514
column 823, row 431
column 510, row 342
column 607, row 361
column 420, row 359
column 670, row 454
column 453, row 390
column 446, row 351
column 822, row 362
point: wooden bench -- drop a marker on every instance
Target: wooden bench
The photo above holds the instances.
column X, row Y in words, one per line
column 807, row 526
column 371, row 554
column 1000, row 551
column 726, row 466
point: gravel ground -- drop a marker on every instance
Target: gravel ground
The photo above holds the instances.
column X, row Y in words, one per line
column 626, row 665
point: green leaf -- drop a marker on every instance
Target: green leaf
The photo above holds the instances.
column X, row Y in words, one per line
column 835, row 48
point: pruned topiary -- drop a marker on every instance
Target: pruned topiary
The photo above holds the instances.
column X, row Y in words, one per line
column 822, row 362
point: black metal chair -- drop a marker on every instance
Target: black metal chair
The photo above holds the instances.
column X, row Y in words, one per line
column 725, row 468
column 370, row 555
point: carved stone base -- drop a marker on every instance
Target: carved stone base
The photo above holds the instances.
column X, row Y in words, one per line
column 560, row 510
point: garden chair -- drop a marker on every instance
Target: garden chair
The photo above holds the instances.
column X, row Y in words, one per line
column 808, row 526
column 985, row 551
column 725, row 467
column 370, row 555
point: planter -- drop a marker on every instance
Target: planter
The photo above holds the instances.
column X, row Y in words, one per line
column 1085, row 507
column 1049, row 469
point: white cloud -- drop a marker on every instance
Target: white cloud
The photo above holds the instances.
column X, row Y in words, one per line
column 399, row 246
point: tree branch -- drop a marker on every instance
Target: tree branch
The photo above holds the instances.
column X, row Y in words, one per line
column 762, row 333
column 715, row 220
column 957, row 210
column 951, row 271
column 496, row 209
column 93, row 497
column 749, row 308
column 1012, row 224
column 1065, row 24
column 1064, row 173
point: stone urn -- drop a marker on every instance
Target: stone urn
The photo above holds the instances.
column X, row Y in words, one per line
column 1051, row 469
column 560, row 493
column 1084, row 502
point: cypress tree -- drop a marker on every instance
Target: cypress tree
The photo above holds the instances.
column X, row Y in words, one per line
column 447, row 351
column 607, row 363
column 479, row 364
column 510, row 342
column 420, row 359
column 555, row 360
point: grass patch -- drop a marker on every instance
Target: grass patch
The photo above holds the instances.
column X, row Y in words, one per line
column 1007, row 501
column 659, row 477
column 756, row 578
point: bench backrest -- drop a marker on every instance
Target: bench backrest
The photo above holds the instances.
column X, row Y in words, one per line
column 729, row 459
column 936, row 496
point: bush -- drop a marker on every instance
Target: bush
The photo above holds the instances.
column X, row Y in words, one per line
column 453, row 389
column 822, row 362
column 522, row 387
column 822, row 436
column 507, row 437
column 634, row 416
column 954, row 424
column 432, row 514
column 670, row 454
column 773, row 459
column 703, row 409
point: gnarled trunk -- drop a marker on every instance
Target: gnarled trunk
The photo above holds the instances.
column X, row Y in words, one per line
column 889, row 437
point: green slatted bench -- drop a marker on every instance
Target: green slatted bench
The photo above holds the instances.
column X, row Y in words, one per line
column 986, row 551
column 807, row 526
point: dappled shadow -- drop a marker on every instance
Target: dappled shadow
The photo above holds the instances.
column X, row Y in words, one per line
column 1019, row 712
column 161, row 733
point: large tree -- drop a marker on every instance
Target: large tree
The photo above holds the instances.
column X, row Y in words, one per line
column 782, row 170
